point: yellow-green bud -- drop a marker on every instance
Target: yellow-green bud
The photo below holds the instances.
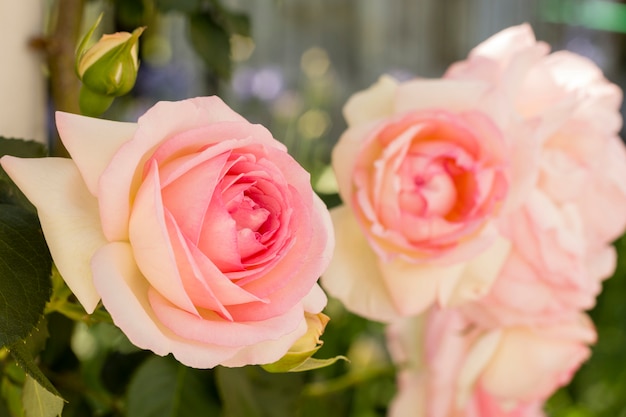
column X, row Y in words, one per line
column 304, row 347
column 109, row 67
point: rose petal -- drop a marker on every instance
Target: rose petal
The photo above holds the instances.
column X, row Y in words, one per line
column 413, row 287
column 452, row 95
column 478, row 275
column 124, row 293
column 373, row 103
column 151, row 243
column 551, row 357
column 476, row 360
column 268, row 351
column 212, row 329
column 353, row 275
column 296, row 272
column 68, row 215
column 122, row 176
column 92, row 143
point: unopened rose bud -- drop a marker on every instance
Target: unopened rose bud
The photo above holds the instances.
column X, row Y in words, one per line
column 304, row 347
column 110, row 66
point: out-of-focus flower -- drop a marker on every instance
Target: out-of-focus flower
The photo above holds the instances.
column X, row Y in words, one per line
column 561, row 235
column 202, row 236
column 425, row 170
column 532, row 217
column 452, row 367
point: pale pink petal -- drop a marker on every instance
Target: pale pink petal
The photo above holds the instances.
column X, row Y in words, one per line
column 209, row 278
column 353, row 275
column 151, row 243
column 124, row 293
column 68, row 215
column 540, row 360
column 506, row 43
column 122, row 177
column 212, row 329
column 373, row 103
column 92, row 143
column 188, row 197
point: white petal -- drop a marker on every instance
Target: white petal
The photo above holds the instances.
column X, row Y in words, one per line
column 479, row 275
column 373, row 103
column 413, row 287
column 92, row 143
column 477, row 359
column 69, row 218
column 452, row 95
column 353, row 275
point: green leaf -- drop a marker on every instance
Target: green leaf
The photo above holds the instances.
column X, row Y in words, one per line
column 22, row 148
column 39, row 402
column 314, row 363
column 184, row 6
column 163, row 387
column 9, row 192
column 212, row 42
column 19, row 352
column 11, row 391
column 252, row 392
column 25, row 270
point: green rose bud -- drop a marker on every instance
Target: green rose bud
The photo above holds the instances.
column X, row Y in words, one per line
column 107, row 69
column 298, row 358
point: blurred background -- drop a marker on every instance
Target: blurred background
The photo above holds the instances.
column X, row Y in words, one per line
column 291, row 65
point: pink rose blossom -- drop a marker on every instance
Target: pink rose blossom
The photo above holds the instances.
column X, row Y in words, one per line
column 540, row 205
column 450, row 366
column 561, row 235
column 199, row 232
column 425, row 169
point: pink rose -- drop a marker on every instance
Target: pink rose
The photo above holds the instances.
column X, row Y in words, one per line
column 425, row 170
column 582, row 158
column 453, row 367
column 199, row 232
column 561, row 234
column 549, row 274
column 543, row 204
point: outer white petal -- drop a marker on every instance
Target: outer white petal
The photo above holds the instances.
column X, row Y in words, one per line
column 353, row 275
column 315, row 300
column 477, row 359
column 478, row 275
column 414, row 287
column 452, row 95
column 411, row 398
column 345, row 154
column 373, row 103
column 92, row 143
column 69, row 218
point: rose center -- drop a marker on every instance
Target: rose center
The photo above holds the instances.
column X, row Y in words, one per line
column 427, row 187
